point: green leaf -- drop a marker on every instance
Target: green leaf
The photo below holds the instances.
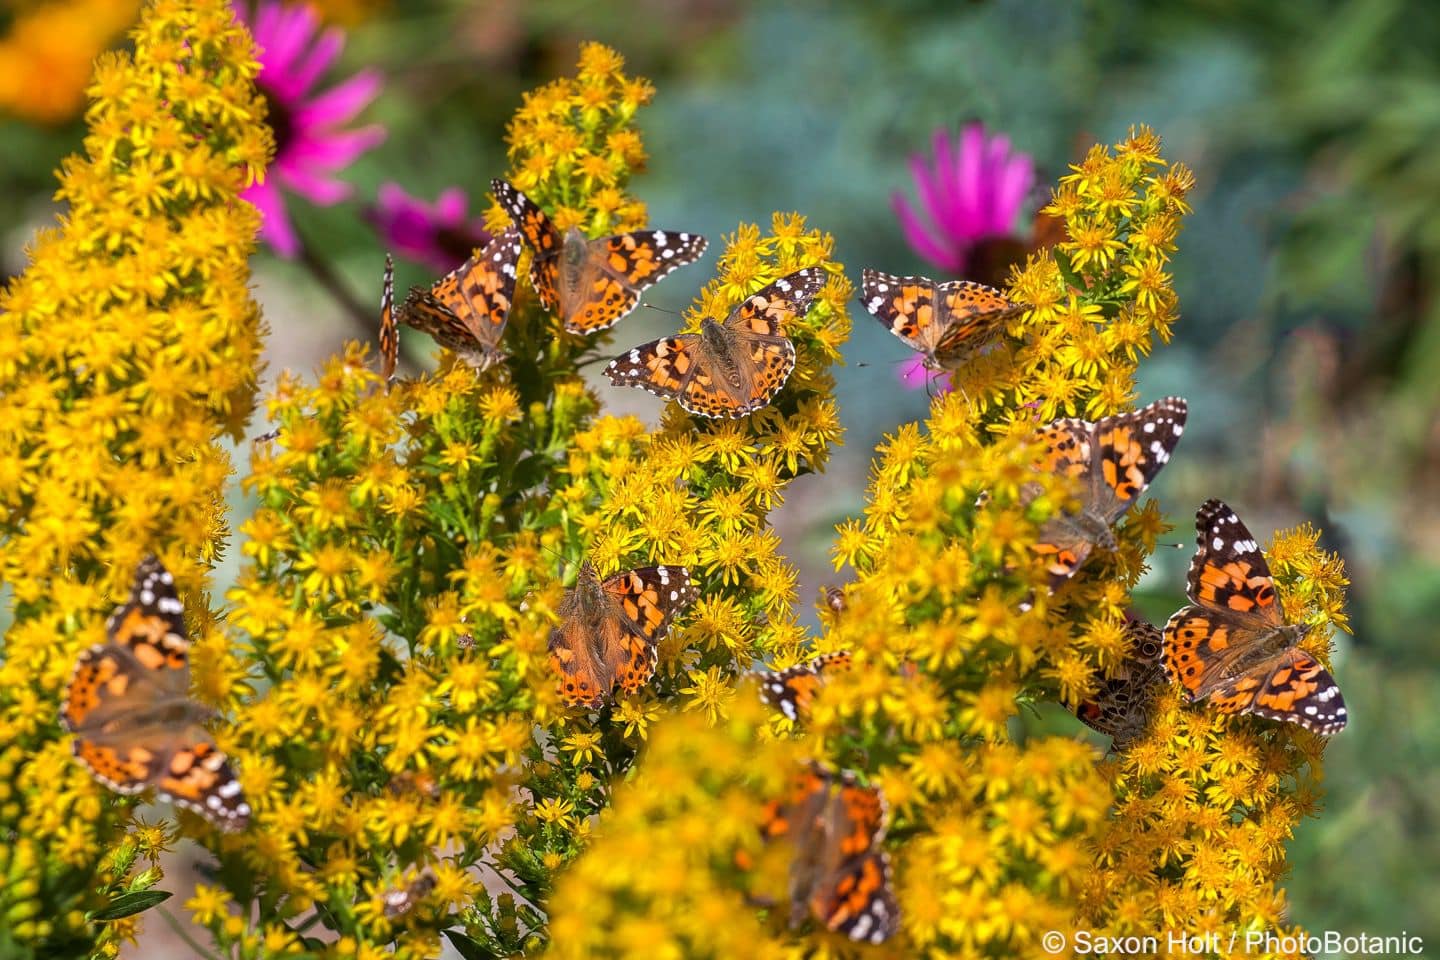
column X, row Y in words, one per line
column 468, row 948
column 127, row 905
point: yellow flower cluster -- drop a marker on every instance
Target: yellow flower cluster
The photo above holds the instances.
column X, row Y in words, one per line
column 574, row 146
column 1100, row 298
column 128, row 347
column 47, row 52
column 661, row 878
column 411, row 769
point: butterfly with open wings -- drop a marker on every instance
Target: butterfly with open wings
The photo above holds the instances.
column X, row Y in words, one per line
column 593, row 283
column 1233, row 647
column 946, row 323
column 1114, row 459
column 839, row 874
column 609, row 630
column 728, row 369
column 128, row 705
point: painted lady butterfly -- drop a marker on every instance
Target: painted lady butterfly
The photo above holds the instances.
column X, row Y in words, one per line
column 1121, row 709
column 791, row 690
column 594, row 283
column 728, row 369
column 1233, row 646
column 465, row 311
column 946, row 323
column 839, row 874
column 128, row 706
column 1114, row 459
column 609, row 630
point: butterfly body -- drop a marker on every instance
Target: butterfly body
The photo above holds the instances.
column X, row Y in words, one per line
column 128, row 706
column 1233, row 647
column 839, row 874
column 1112, row 460
column 946, row 323
column 730, row 368
column 593, row 283
column 609, row 630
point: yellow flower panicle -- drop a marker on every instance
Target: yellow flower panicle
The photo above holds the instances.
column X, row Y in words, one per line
column 574, row 146
column 663, row 876
column 405, row 562
column 953, row 633
column 127, row 348
column 1100, row 298
column 47, row 53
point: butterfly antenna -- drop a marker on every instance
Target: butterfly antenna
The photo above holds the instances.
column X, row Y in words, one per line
column 647, row 303
column 564, row 560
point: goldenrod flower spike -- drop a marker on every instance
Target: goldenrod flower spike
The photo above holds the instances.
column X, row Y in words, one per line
column 130, row 347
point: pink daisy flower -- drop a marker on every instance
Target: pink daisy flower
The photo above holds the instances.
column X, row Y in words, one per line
column 440, row 235
column 971, row 188
column 310, row 147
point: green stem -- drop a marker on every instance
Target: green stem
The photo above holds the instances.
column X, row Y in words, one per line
column 184, row 935
column 365, row 319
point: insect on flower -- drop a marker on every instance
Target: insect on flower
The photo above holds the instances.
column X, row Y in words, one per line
column 728, row 369
column 947, row 323
column 465, row 311
column 609, row 630
column 128, row 704
column 594, row 283
column 1233, row 646
column 1114, row 459
column 839, row 874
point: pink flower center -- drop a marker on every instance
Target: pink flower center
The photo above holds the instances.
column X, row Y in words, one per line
column 278, row 116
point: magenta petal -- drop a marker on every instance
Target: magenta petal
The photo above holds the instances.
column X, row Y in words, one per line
column 920, row 239
column 299, row 81
column 291, row 35
column 913, row 373
column 945, row 211
column 1011, row 190
column 275, row 228
column 925, row 186
column 969, row 178
column 391, row 198
column 332, row 151
column 451, row 206
column 319, row 190
column 340, row 104
column 997, row 160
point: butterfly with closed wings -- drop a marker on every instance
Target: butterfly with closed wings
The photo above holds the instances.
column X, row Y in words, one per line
column 465, row 311
column 1122, row 706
